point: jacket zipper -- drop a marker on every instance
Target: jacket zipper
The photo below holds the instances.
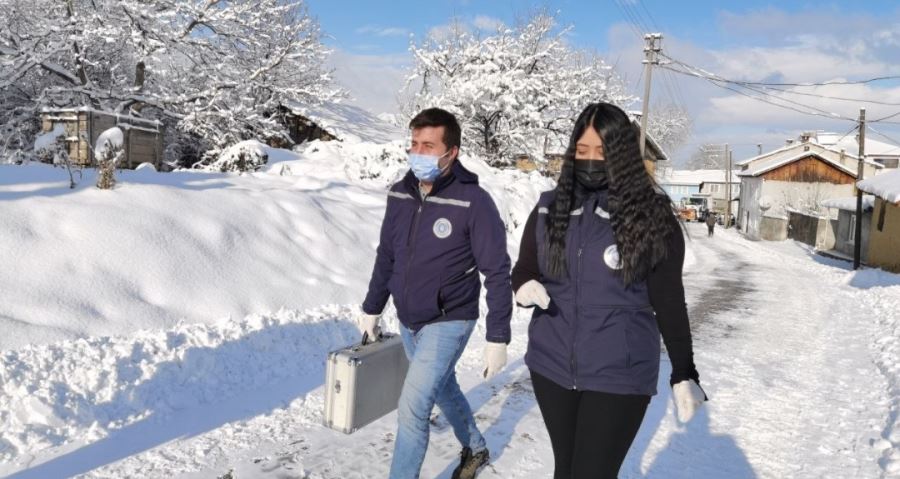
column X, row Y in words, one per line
column 412, row 249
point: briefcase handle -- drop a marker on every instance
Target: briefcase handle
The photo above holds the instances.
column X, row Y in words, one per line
column 365, row 337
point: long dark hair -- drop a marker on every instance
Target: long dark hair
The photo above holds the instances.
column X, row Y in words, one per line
column 641, row 214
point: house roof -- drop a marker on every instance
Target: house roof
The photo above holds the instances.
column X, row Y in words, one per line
column 849, row 203
column 787, row 156
column 695, row 177
column 348, row 122
column 885, row 186
column 851, row 143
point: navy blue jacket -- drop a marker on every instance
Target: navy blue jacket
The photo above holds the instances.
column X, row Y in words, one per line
column 598, row 334
column 431, row 251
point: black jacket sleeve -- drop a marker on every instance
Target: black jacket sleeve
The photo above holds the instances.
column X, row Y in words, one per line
column 527, row 267
column 666, row 290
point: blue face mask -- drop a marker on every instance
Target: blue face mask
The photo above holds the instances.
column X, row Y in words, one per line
column 425, row 167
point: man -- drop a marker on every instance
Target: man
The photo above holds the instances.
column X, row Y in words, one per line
column 710, row 222
column 440, row 231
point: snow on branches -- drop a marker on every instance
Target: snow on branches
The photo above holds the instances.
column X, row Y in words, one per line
column 217, row 70
column 517, row 91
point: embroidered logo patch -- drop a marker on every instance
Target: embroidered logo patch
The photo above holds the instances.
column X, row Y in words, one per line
column 611, row 257
column 442, row 228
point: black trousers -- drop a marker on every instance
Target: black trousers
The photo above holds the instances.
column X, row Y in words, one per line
column 590, row 431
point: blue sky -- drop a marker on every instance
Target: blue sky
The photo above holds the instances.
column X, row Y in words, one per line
column 757, row 41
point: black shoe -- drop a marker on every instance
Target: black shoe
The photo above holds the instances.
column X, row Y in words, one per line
column 470, row 464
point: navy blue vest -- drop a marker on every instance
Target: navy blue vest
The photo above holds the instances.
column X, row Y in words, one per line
column 597, row 334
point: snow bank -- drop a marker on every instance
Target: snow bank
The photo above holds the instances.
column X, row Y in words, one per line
column 85, row 388
column 193, row 246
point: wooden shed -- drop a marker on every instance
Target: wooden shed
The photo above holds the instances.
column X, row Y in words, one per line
column 82, row 126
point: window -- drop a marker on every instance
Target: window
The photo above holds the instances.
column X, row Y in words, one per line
column 714, row 188
column 851, row 236
column 881, row 215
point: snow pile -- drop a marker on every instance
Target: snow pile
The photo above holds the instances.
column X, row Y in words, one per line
column 249, row 155
column 110, row 142
column 85, row 388
column 885, row 186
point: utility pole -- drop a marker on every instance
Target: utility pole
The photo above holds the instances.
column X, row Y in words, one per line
column 759, row 149
column 857, row 246
column 651, row 57
column 727, row 221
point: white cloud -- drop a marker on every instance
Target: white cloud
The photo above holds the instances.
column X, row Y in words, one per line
column 382, row 31
column 484, row 22
column 775, row 46
column 372, row 80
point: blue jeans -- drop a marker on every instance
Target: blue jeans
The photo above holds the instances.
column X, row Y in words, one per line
column 433, row 352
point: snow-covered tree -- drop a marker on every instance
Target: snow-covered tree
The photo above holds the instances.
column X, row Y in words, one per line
column 216, row 70
column 516, row 91
column 709, row 156
column 670, row 126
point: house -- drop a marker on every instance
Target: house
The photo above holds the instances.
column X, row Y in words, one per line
column 335, row 121
column 716, row 191
column 681, row 185
column 80, row 127
column 884, row 230
column 795, row 178
column 844, row 227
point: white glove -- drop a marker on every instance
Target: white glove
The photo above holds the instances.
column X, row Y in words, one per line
column 688, row 397
column 494, row 359
column 533, row 293
column 368, row 323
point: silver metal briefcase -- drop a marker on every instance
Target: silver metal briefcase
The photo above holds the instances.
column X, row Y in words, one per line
column 363, row 382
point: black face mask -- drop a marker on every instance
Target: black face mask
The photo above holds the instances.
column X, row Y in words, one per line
column 591, row 174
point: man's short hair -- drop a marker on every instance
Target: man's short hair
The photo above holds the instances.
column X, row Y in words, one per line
column 439, row 117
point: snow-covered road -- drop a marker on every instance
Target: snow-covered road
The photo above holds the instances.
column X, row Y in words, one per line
column 798, row 355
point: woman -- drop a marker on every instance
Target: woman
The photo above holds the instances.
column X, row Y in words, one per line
column 601, row 259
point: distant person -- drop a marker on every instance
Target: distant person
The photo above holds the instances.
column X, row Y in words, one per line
column 710, row 223
column 440, row 231
column 601, row 257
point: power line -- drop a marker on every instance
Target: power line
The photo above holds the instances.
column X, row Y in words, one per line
column 792, row 92
column 837, row 82
column 638, row 22
column 716, row 79
column 718, row 82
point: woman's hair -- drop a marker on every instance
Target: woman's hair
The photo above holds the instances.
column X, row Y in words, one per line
column 640, row 213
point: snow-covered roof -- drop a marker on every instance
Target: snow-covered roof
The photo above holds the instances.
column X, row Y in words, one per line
column 786, row 156
column 850, row 143
column 885, row 186
column 348, row 122
column 695, row 177
column 849, row 203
